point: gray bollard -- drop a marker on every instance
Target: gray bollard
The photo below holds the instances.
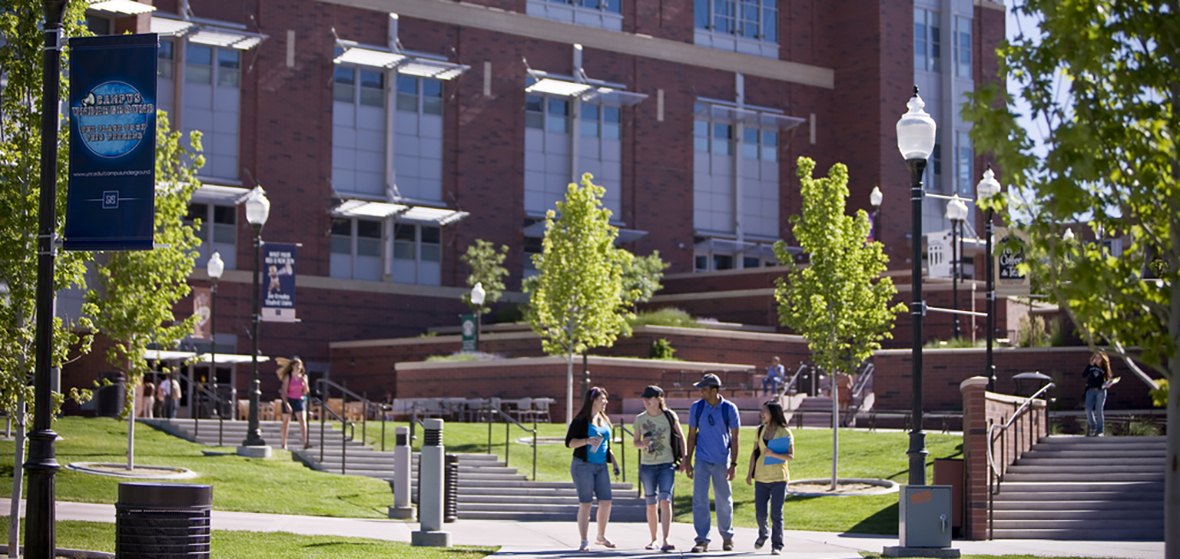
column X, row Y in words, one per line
column 430, row 489
column 401, row 509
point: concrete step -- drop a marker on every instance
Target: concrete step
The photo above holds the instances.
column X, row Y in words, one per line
column 1125, row 488
column 1115, row 506
column 1071, row 524
column 1139, row 516
column 1015, row 475
column 1066, row 464
column 1080, row 534
column 566, row 514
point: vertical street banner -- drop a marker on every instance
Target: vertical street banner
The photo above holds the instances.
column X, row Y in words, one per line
column 1010, row 254
column 110, row 204
column 467, row 322
column 202, row 297
column 278, row 282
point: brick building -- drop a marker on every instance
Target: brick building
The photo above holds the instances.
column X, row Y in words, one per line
column 390, row 134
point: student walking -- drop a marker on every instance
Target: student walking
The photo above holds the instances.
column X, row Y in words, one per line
column 293, row 391
column 713, row 431
column 169, row 394
column 657, row 432
column 1098, row 379
column 773, row 448
column 589, row 435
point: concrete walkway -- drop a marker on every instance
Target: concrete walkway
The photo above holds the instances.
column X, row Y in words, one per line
column 548, row 540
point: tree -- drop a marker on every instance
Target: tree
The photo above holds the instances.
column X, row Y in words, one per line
column 1099, row 80
column 21, row 23
column 641, row 278
column 839, row 302
column 577, row 300
column 487, row 268
column 133, row 305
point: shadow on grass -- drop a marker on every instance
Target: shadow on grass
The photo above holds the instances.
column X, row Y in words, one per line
column 882, row 522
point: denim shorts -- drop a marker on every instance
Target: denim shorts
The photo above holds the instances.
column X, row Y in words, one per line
column 296, row 404
column 590, row 480
column 657, row 478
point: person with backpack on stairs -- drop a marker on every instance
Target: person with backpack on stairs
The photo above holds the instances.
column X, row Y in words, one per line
column 713, row 431
column 657, row 431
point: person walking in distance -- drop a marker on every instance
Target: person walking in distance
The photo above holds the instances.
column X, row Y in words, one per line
column 773, row 448
column 589, row 435
column 1098, row 379
column 293, row 391
column 169, row 393
column 657, row 432
column 713, row 431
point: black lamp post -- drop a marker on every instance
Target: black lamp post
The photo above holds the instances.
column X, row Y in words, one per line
column 915, row 140
column 42, row 466
column 477, row 298
column 215, row 266
column 988, row 188
column 875, row 198
column 257, row 210
column 956, row 211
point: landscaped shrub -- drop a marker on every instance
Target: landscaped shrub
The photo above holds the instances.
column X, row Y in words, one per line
column 666, row 316
column 661, row 349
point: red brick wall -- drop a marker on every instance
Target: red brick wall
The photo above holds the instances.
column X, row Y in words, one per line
column 981, row 411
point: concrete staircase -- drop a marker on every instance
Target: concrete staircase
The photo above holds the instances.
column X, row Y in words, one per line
column 816, row 412
column 1085, row 488
column 488, row 488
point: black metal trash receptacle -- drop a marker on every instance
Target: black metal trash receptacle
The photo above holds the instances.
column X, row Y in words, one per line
column 109, row 399
column 450, row 488
column 162, row 520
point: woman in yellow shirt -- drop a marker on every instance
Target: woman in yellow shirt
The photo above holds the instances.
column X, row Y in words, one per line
column 773, row 447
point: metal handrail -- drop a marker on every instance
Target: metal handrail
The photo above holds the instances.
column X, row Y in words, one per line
column 623, row 461
column 194, row 405
column 508, row 420
column 345, row 393
column 996, row 477
column 347, row 430
column 794, row 378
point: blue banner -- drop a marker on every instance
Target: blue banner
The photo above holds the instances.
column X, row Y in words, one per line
column 111, row 202
column 278, row 282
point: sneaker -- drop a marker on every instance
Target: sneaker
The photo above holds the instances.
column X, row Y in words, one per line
column 758, row 543
column 700, row 547
column 776, row 551
column 727, row 545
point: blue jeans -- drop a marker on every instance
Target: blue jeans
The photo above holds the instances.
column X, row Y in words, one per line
column 772, row 494
column 1095, row 401
column 703, row 473
column 770, row 385
column 657, row 478
column 590, row 480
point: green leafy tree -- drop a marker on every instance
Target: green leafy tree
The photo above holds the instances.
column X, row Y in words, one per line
column 577, row 298
column 21, row 23
column 1099, row 81
column 487, row 268
column 137, row 290
column 839, row 302
column 641, row 278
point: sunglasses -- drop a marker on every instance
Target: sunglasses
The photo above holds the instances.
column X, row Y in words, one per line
column 711, row 422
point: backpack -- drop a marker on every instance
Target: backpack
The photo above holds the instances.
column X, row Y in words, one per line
column 674, row 438
column 701, row 409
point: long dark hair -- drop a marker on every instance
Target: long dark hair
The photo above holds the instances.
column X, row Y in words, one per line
column 1105, row 364
column 777, row 416
column 588, row 401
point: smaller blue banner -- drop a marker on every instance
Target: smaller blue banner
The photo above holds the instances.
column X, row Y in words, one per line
column 278, row 282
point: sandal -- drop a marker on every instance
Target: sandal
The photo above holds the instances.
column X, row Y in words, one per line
column 667, row 548
column 651, row 546
column 585, row 546
column 605, row 542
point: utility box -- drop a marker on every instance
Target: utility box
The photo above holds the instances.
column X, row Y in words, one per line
column 925, row 516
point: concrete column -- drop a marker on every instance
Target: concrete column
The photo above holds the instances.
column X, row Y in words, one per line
column 974, row 392
column 430, row 488
column 401, row 509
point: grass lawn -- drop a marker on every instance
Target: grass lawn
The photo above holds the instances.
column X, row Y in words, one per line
column 100, row 536
column 879, row 455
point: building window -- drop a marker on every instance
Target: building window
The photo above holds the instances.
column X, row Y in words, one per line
column 605, row 14
column 99, row 25
column 749, row 26
column 356, row 249
column 962, row 47
column 212, row 104
column 717, row 172
column 548, row 166
column 418, row 137
column 927, row 44
column 164, row 60
column 964, row 159
column 358, row 131
column 217, row 231
column 417, row 254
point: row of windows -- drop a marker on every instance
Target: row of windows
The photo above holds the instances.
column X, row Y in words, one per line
column 552, row 114
column 198, row 64
column 755, row 143
column 928, row 43
column 357, row 252
column 754, row 19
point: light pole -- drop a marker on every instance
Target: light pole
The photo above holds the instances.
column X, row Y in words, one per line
column 875, row 198
column 477, row 297
column 956, row 211
column 42, row 466
column 988, row 188
column 215, row 266
column 915, row 141
column 257, row 210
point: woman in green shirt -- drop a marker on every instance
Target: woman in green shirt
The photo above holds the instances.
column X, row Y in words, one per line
column 773, row 448
column 657, row 431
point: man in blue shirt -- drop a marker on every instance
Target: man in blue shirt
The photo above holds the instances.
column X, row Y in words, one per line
column 774, row 377
column 713, row 431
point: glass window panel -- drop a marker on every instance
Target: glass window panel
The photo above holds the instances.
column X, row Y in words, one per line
column 407, row 84
column 610, row 127
column 342, row 227
column 431, row 88
column 770, row 23
column 98, row 25
column 431, row 235
column 615, row 6
column 164, row 59
column 407, row 103
column 372, row 88
column 403, row 251
column 750, row 143
column 431, row 253
column 341, row 245
column 701, row 14
column 229, row 65
column 403, row 232
column 368, row 229
column 197, row 211
column 701, row 262
column 558, row 115
column 722, row 136
column 589, row 121
column 223, row 233
column 722, row 262
column 225, row 214
column 368, row 247
column 432, row 105
column 372, row 97
column 533, row 104
column 700, row 136
column 750, row 262
column 533, row 120
column 373, row 80
column 769, row 145
column 199, row 64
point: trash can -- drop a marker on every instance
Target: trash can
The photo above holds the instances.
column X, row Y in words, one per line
column 110, row 399
column 162, row 520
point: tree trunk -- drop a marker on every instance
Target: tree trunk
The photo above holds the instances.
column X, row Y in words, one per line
column 835, row 426
column 17, row 476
